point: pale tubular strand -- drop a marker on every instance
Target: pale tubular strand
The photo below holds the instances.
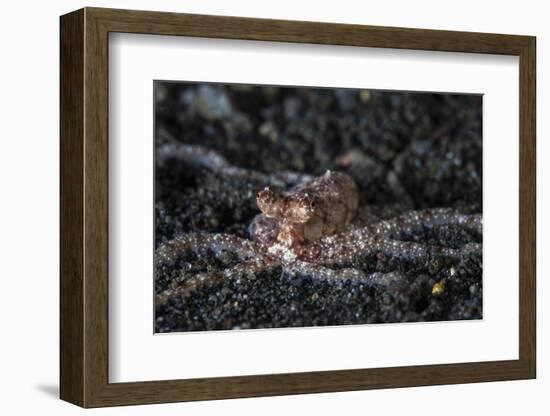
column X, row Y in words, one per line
column 168, row 253
column 201, row 157
column 246, row 270
column 428, row 218
column 333, row 275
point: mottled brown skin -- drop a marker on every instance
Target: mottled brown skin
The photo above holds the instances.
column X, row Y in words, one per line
column 309, row 211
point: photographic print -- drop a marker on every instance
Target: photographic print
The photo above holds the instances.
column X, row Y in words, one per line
column 280, row 206
column 291, row 213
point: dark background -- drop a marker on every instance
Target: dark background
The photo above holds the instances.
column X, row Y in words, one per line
column 410, row 151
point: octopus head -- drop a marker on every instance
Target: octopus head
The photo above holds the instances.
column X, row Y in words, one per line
column 301, row 209
column 271, row 203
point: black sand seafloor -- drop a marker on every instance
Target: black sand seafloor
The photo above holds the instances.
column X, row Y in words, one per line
column 405, row 151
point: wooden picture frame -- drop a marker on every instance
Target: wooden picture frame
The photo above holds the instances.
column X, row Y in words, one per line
column 84, row 207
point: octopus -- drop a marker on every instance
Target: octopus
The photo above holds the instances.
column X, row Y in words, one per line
column 291, row 220
column 314, row 227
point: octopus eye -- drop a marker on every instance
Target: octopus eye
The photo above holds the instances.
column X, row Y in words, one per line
column 309, row 203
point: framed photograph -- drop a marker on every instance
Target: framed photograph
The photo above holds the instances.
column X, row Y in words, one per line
column 255, row 207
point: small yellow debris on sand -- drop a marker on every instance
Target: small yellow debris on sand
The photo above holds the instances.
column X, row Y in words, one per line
column 438, row 288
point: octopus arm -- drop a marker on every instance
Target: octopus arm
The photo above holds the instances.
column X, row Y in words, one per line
column 348, row 248
column 320, row 272
column 168, row 253
column 409, row 250
column 203, row 281
column 201, row 157
column 418, row 220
